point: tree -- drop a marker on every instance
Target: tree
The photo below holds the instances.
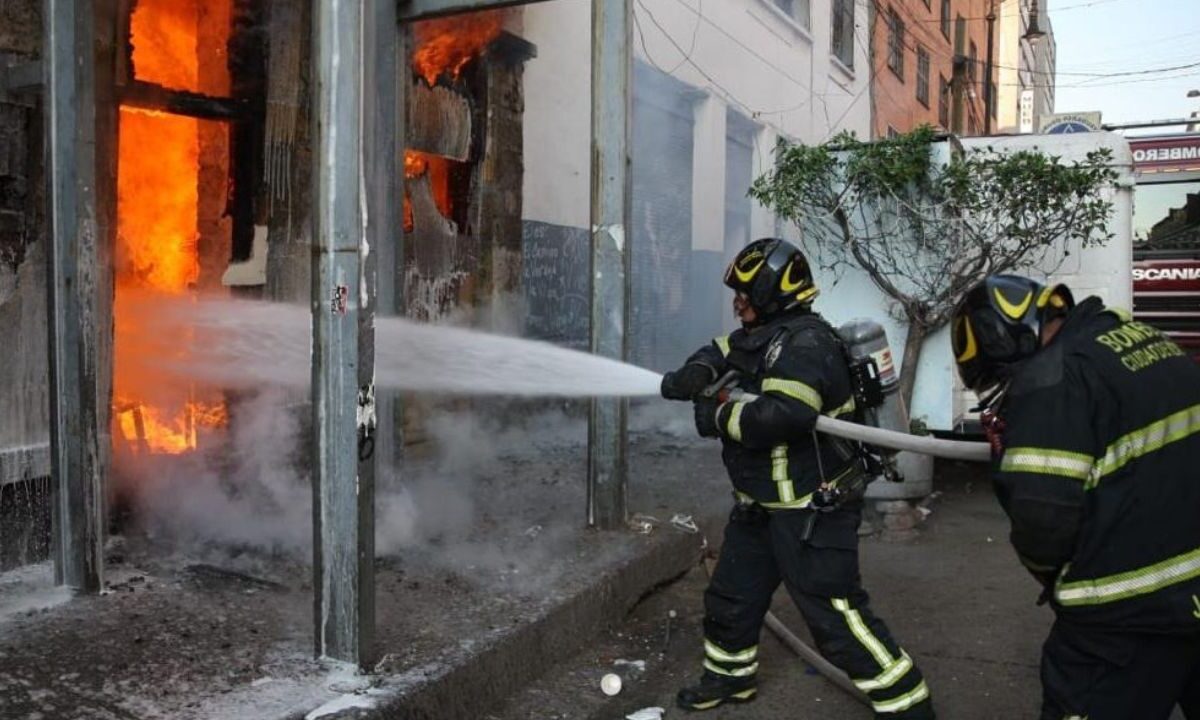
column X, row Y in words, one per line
column 925, row 232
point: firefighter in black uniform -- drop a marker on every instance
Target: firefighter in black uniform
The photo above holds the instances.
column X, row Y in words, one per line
column 1095, row 426
column 788, row 523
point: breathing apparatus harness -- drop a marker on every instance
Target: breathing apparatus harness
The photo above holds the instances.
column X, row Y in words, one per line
column 866, row 388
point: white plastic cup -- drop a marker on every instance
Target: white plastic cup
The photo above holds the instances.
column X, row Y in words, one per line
column 610, row 684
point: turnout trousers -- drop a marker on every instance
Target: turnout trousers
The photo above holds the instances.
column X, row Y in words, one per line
column 1094, row 674
column 815, row 555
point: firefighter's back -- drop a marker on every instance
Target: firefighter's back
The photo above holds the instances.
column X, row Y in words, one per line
column 1137, row 562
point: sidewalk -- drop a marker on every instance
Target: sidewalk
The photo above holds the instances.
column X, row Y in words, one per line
column 498, row 582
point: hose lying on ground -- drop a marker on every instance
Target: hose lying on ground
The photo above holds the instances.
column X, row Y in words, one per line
column 949, row 449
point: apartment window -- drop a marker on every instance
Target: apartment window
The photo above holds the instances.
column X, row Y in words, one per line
column 843, row 31
column 797, row 10
column 892, row 132
column 960, row 34
column 945, row 19
column 972, row 61
column 943, row 102
column 922, row 76
column 896, row 43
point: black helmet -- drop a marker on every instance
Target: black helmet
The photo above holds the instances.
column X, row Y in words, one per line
column 774, row 274
column 998, row 324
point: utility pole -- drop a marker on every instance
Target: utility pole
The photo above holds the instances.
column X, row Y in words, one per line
column 354, row 114
column 608, row 422
column 988, row 100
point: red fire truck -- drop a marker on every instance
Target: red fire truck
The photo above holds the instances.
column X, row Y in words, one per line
column 1166, row 232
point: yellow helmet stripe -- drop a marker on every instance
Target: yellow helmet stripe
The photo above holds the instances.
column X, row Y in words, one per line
column 1016, row 312
column 786, row 283
column 971, row 350
column 748, row 275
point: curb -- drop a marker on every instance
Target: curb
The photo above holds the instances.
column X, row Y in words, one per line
column 478, row 683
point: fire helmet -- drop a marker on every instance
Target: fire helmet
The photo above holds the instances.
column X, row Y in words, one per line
column 774, row 275
column 998, row 325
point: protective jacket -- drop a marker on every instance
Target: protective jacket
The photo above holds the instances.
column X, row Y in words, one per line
column 796, row 367
column 1099, row 473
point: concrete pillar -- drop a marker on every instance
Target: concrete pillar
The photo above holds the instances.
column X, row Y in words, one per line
column 762, row 221
column 708, row 174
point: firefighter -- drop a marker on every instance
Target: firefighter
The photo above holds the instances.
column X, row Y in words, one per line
column 793, row 521
column 1095, row 426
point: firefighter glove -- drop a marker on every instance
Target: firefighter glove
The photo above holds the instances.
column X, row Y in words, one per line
column 706, row 410
column 687, row 382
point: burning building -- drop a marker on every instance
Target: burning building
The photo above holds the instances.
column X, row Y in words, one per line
column 205, row 139
column 203, row 146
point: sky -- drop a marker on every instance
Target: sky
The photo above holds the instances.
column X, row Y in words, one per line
column 1109, row 36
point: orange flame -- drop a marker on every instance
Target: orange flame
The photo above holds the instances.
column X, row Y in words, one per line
column 437, row 169
column 158, row 205
column 446, row 45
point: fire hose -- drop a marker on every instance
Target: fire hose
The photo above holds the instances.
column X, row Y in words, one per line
column 949, row 449
column 868, row 434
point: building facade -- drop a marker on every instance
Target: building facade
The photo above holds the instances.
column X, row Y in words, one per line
column 1025, row 68
column 715, row 86
column 929, row 61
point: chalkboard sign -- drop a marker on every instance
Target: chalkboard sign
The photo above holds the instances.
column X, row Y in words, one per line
column 555, row 280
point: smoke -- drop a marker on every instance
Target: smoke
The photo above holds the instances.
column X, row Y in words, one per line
column 457, row 500
column 243, row 487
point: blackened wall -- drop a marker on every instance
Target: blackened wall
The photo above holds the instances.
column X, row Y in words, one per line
column 23, row 379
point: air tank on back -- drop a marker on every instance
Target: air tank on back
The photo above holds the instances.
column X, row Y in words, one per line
column 866, row 338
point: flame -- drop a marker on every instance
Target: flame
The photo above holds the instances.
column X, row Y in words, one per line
column 158, row 206
column 163, row 35
column 446, row 45
column 437, row 170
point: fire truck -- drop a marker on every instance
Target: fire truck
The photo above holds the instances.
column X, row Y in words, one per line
column 1166, row 233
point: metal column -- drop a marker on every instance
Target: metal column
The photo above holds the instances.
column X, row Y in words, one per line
column 607, row 424
column 74, row 264
column 385, row 128
column 351, row 113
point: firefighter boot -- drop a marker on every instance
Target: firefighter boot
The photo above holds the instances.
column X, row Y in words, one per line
column 714, row 689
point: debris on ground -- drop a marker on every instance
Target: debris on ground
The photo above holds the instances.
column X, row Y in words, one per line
column 650, row 713
column 643, row 524
column 685, row 523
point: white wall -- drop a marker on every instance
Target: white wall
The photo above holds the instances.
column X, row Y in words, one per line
column 1105, row 271
column 746, row 56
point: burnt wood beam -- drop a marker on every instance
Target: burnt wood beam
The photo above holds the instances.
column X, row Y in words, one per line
column 150, row 96
column 75, row 268
column 439, row 121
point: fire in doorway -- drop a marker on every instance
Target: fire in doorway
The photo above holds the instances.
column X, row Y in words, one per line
column 171, row 197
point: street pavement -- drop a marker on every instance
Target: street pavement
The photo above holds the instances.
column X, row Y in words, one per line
column 955, row 596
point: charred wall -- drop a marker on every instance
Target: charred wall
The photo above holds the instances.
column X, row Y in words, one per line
column 24, row 390
column 23, row 378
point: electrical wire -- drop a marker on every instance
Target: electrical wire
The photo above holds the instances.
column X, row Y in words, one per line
column 907, row 44
column 1057, row 10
